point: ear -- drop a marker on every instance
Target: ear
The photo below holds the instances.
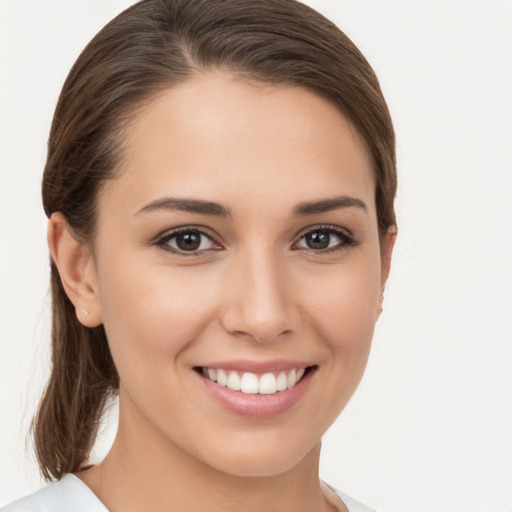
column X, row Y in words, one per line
column 75, row 263
column 386, row 250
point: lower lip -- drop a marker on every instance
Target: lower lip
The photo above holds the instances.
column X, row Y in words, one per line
column 255, row 405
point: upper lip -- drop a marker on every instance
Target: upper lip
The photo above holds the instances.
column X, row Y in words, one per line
column 246, row 365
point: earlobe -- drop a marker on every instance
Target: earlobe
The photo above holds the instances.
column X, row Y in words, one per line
column 75, row 263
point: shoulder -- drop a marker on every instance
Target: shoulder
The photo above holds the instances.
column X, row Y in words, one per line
column 69, row 494
column 351, row 504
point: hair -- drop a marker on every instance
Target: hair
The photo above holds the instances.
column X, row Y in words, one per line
column 152, row 46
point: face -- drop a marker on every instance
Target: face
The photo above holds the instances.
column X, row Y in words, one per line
column 238, row 248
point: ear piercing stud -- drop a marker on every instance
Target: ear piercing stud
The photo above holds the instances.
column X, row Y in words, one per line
column 85, row 312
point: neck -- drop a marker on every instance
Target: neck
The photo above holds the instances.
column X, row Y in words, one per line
column 149, row 472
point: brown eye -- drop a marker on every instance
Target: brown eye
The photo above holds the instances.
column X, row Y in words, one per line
column 318, row 239
column 188, row 241
column 191, row 241
column 326, row 239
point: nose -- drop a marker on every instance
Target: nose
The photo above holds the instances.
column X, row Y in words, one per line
column 260, row 303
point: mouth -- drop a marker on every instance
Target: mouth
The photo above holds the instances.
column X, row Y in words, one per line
column 250, row 383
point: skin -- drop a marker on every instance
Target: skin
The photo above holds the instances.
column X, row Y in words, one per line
column 256, row 292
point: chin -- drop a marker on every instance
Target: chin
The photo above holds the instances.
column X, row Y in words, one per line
column 258, row 461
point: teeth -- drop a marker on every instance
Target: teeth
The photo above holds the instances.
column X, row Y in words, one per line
column 222, row 378
column 282, row 382
column 292, row 378
column 268, row 385
column 234, row 381
column 250, row 383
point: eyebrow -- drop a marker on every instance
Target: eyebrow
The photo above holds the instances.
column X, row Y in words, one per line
column 187, row 205
column 327, row 205
column 216, row 209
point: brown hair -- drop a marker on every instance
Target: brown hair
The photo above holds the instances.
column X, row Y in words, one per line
column 154, row 45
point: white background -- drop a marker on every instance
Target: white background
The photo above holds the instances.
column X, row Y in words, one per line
column 430, row 428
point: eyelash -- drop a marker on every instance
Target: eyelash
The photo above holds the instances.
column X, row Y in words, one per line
column 346, row 240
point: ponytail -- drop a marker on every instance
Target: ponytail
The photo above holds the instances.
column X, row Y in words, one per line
column 82, row 379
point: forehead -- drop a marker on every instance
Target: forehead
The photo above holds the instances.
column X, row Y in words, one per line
column 223, row 139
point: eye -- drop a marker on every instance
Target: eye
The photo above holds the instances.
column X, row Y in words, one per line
column 326, row 239
column 187, row 240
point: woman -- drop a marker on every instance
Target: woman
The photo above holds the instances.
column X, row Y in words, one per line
column 219, row 186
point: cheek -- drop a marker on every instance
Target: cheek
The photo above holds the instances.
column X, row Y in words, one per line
column 151, row 316
column 343, row 308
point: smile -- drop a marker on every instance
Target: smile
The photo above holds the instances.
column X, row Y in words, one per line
column 256, row 389
column 252, row 383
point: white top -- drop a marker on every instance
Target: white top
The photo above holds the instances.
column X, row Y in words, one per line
column 70, row 494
